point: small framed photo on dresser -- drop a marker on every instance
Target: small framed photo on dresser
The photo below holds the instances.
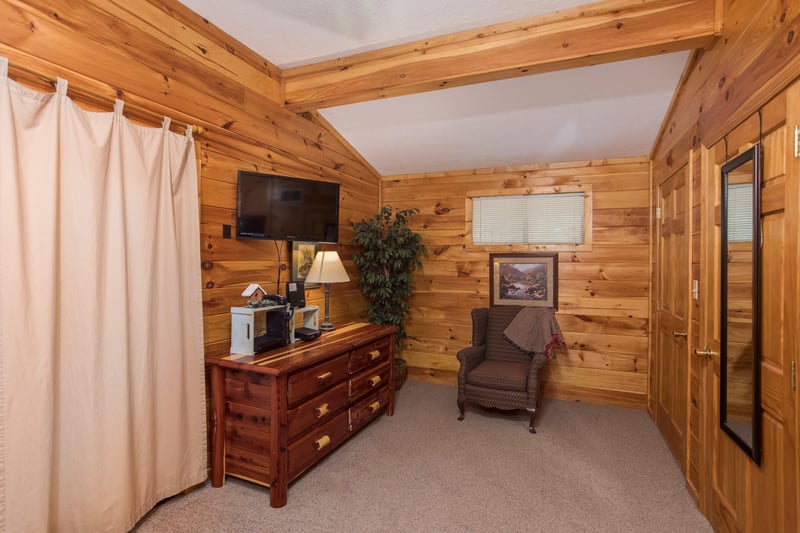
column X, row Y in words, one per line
column 303, row 254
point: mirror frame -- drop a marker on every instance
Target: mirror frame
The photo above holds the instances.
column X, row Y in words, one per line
column 752, row 450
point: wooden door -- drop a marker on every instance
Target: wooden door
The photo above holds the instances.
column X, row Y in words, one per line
column 705, row 324
column 791, row 464
column 743, row 496
column 790, row 384
column 672, row 312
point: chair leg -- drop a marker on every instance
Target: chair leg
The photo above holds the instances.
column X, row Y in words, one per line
column 461, row 409
column 532, row 412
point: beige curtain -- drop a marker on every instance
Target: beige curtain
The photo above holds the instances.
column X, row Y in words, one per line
column 102, row 398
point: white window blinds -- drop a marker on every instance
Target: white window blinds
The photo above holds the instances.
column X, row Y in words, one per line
column 529, row 219
column 740, row 212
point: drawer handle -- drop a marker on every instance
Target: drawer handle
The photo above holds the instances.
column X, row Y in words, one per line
column 323, row 410
column 322, row 442
column 374, row 406
column 374, row 354
column 374, row 381
column 322, row 378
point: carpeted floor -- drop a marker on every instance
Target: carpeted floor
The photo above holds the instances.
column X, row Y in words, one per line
column 588, row 469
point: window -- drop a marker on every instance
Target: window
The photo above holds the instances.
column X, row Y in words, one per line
column 547, row 217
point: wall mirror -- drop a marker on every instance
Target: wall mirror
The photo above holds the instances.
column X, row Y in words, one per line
column 740, row 324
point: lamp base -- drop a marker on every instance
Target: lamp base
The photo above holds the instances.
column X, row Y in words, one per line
column 326, row 326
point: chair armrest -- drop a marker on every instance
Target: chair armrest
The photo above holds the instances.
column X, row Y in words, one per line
column 537, row 363
column 470, row 357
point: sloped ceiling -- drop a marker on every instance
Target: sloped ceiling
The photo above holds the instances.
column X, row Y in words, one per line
column 608, row 110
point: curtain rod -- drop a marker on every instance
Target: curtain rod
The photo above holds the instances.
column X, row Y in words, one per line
column 35, row 76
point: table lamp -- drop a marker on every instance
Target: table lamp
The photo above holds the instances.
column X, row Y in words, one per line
column 326, row 269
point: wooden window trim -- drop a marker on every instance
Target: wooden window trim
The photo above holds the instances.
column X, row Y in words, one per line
column 586, row 246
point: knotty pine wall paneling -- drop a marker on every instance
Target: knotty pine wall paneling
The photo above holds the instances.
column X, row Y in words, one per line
column 160, row 57
column 756, row 57
column 754, row 65
column 603, row 293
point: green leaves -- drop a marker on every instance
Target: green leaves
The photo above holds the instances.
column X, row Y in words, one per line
column 389, row 253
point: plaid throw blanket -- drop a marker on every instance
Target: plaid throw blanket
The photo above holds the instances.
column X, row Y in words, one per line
column 535, row 330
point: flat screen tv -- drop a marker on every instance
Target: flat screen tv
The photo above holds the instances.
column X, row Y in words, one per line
column 280, row 208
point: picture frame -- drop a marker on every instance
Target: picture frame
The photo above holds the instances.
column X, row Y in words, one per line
column 303, row 254
column 527, row 279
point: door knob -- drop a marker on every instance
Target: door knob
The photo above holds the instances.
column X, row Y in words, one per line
column 679, row 334
column 705, row 354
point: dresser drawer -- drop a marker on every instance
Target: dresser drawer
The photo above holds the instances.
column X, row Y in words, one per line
column 317, row 410
column 311, row 381
column 370, row 354
column 368, row 408
column 247, row 388
column 316, row 444
column 369, row 380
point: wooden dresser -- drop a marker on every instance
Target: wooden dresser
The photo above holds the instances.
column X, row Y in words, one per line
column 275, row 414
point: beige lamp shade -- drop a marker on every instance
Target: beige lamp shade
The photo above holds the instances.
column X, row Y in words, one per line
column 327, row 268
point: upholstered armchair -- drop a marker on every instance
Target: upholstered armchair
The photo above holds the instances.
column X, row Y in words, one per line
column 494, row 372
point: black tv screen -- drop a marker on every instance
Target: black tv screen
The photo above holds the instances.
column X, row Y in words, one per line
column 280, row 208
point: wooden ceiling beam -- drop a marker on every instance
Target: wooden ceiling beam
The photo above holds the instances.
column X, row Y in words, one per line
column 612, row 30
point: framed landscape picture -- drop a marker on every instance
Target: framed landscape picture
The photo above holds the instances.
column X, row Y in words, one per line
column 524, row 279
column 303, row 254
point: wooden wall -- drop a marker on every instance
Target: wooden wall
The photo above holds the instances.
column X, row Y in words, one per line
column 756, row 57
column 715, row 113
column 161, row 58
column 603, row 293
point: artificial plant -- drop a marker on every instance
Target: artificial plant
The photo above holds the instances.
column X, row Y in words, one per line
column 389, row 252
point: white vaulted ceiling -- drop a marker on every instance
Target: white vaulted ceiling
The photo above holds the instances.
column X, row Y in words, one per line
column 602, row 111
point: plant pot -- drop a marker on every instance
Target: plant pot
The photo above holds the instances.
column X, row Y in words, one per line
column 400, row 373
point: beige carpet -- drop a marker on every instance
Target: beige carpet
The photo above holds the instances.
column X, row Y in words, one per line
column 588, row 469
